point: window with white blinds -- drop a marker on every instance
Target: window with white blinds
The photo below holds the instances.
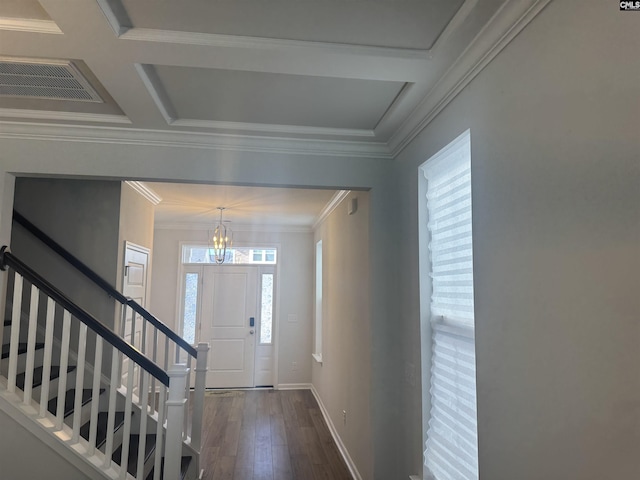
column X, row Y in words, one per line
column 452, row 445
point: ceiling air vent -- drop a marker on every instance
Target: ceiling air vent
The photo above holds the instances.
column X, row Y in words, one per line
column 50, row 79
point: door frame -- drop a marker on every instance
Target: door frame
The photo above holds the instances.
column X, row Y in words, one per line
column 184, row 268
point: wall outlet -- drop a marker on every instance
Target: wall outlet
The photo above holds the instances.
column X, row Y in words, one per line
column 294, row 366
column 344, row 417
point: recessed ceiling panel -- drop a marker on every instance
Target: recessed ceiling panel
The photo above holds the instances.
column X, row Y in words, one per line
column 269, row 98
column 391, row 23
column 197, row 204
column 26, row 9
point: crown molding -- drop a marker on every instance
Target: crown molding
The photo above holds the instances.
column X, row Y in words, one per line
column 264, row 43
column 29, row 25
column 236, row 228
column 63, row 116
column 510, row 19
column 330, row 207
column 145, row 191
column 195, row 140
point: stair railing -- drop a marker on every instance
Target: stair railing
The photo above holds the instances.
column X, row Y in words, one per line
column 171, row 405
column 152, row 329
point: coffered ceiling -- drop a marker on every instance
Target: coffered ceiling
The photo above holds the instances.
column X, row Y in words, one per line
column 351, row 76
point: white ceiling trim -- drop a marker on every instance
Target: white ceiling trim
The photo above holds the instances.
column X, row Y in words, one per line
column 455, row 23
column 152, row 83
column 330, row 207
column 29, row 25
column 145, row 191
column 196, row 140
column 64, row 116
column 236, row 228
column 274, row 128
column 505, row 25
column 265, row 43
column 112, row 20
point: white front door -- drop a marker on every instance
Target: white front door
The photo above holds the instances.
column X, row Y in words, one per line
column 134, row 286
column 229, row 303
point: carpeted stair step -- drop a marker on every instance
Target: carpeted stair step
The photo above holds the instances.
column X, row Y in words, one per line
column 184, row 467
column 69, row 400
column 37, row 376
column 101, row 433
column 22, row 348
column 134, row 443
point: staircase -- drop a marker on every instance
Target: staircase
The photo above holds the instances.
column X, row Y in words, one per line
column 79, row 384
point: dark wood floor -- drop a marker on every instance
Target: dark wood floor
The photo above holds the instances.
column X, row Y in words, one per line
column 268, row 435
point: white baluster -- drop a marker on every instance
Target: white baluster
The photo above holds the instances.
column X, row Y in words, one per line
column 187, row 396
column 144, row 397
column 166, row 353
column 48, row 352
column 162, row 397
column 198, row 396
column 64, row 363
column 15, row 334
column 127, row 421
column 77, row 404
column 111, row 413
column 175, row 415
column 143, row 349
column 31, row 344
column 97, row 371
column 154, row 403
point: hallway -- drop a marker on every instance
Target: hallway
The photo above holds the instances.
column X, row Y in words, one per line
column 268, row 435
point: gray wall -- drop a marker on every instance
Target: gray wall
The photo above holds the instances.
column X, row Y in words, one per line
column 81, row 216
column 556, row 203
column 343, row 380
column 294, row 282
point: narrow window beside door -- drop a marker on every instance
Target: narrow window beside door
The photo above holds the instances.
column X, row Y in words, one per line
column 190, row 307
column 266, row 309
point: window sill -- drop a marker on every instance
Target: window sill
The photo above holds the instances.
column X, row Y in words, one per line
column 317, row 357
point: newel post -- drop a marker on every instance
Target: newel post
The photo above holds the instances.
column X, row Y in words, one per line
column 198, row 397
column 175, row 420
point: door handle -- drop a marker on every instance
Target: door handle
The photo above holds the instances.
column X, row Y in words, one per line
column 251, row 331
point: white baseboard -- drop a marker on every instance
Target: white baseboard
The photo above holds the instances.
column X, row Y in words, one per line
column 293, row 386
column 334, row 433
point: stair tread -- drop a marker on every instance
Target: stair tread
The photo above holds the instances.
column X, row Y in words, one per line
column 37, row 376
column 101, row 433
column 134, row 442
column 184, row 467
column 22, row 348
column 70, row 399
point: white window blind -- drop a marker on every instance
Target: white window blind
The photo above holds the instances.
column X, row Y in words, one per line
column 452, row 446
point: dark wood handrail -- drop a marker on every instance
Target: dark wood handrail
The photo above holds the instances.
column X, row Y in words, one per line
column 102, row 283
column 9, row 260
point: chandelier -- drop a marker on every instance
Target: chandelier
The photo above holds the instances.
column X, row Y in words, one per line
column 222, row 239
